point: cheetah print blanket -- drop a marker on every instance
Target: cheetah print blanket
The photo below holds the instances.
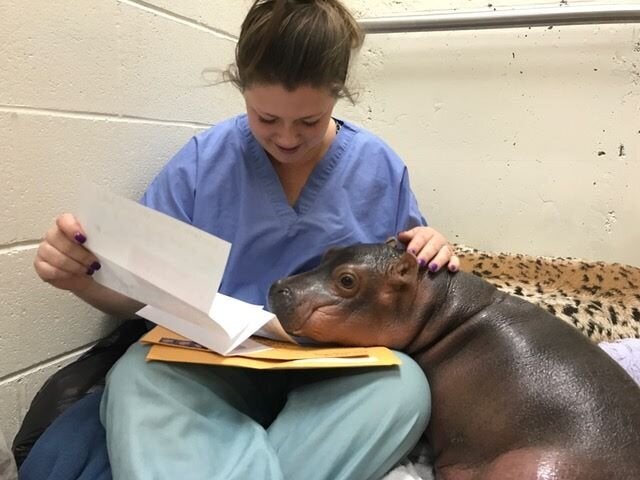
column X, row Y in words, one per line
column 599, row 298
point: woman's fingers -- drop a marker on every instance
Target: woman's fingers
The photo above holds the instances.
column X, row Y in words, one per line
column 417, row 238
column 445, row 256
column 50, row 254
column 69, row 245
column 71, row 228
column 430, row 247
column 61, row 260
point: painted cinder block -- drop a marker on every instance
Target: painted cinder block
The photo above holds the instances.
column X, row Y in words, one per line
column 113, row 58
column 46, row 157
column 38, row 321
column 60, row 55
column 163, row 66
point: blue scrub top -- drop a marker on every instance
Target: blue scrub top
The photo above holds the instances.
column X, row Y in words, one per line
column 223, row 182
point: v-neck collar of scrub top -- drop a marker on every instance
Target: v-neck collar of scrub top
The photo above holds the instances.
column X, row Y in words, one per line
column 260, row 163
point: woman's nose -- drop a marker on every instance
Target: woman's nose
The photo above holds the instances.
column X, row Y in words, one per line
column 287, row 136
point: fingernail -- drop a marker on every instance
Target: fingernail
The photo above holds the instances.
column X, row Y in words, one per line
column 453, row 268
column 95, row 266
column 80, row 238
column 422, row 262
column 433, row 266
column 412, row 251
column 90, row 271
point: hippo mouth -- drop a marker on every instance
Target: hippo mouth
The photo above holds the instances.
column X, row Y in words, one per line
column 318, row 331
column 294, row 323
column 295, row 320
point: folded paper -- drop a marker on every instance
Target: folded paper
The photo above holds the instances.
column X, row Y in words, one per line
column 172, row 267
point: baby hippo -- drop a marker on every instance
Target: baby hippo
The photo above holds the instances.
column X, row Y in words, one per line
column 516, row 392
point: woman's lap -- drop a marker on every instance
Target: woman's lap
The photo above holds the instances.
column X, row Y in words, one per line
column 165, row 420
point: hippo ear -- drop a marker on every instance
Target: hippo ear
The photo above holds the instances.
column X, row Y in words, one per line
column 404, row 271
column 328, row 253
column 393, row 242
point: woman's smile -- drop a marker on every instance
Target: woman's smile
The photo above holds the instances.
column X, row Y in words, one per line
column 292, row 126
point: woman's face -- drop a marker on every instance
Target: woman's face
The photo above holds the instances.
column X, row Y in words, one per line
column 294, row 127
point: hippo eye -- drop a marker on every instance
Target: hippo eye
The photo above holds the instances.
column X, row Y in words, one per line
column 347, row 281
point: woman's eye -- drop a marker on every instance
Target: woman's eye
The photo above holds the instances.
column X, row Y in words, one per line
column 311, row 124
column 267, row 120
column 347, row 281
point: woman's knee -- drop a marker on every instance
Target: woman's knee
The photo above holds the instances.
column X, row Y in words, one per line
column 408, row 394
column 397, row 396
column 133, row 377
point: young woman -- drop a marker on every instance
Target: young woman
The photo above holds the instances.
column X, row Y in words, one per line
column 282, row 183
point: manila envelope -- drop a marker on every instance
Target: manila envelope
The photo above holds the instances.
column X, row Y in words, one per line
column 170, row 347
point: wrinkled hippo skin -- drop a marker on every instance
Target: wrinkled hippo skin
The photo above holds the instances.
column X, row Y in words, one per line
column 516, row 392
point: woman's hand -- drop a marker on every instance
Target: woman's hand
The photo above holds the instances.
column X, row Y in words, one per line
column 430, row 248
column 61, row 260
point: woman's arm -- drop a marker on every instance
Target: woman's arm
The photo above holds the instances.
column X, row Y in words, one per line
column 109, row 301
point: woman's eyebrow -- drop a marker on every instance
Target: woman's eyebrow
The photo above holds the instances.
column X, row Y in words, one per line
column 308, row 117
column 264, row 114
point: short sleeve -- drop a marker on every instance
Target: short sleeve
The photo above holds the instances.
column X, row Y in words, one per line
column 408, row 215
column 173, row 190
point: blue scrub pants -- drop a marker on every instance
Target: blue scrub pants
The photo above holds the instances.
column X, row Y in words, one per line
column 184, row 422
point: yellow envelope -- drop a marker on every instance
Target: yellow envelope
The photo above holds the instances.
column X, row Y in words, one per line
column 170, row 347
column 378, row 357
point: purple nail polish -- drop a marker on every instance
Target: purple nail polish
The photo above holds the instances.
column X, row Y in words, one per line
column 412, row 251
column 433, row 266
column 80, row 238
column 453, row 268
column 90, row 271
column 422, row 262
column 95, row 266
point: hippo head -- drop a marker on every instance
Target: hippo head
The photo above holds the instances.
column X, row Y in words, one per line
column 362, row 295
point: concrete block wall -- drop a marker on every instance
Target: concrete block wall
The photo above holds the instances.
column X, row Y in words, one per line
column 521, row 140
column 105, row 91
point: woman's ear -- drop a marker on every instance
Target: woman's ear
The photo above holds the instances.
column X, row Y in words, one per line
column 404, row 271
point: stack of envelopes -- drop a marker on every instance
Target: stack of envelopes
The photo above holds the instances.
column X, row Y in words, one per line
column 265, row 354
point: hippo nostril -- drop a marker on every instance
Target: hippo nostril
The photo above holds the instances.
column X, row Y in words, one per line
column 284, row 291
column 279, row 288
